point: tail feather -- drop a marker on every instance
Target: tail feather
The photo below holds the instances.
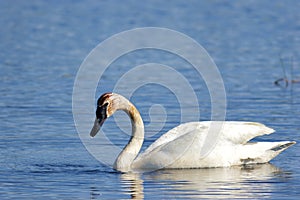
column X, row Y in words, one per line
column 282, row 147
column 262, row 152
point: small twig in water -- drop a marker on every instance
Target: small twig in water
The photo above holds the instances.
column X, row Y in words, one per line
column 285, row 79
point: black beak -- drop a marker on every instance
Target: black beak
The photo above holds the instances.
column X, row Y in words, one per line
column 100, row 119
column 95, row 128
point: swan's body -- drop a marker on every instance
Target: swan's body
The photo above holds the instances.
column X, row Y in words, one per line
column 181, row 146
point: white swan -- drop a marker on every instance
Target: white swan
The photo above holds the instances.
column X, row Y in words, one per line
column 181, row 146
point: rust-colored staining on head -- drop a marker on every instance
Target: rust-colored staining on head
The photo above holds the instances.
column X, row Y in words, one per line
column 103, row 97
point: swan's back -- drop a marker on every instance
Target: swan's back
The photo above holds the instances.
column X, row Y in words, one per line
column 181, row 146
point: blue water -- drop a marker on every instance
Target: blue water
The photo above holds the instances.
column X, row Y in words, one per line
column 43, row 45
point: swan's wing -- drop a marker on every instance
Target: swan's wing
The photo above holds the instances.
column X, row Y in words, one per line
column 235, row 132
column 167, row 153
column 241, row 132
column 173, row 134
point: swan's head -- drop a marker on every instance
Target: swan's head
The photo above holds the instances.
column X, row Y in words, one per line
column 107, row 104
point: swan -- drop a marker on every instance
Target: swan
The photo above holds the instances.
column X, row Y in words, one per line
column 180, row 147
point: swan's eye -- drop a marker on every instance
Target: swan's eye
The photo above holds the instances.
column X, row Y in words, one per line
column 105, row 105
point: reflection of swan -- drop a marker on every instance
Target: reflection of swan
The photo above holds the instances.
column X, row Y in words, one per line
column 212, row 183
column 217, row 183
column 133, row 185
column 181, row 146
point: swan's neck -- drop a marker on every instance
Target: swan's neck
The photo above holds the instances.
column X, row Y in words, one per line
column 131, row 150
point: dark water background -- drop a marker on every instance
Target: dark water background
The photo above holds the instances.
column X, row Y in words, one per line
column 42, row 46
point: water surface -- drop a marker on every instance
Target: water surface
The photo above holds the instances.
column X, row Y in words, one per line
column 42, row 46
